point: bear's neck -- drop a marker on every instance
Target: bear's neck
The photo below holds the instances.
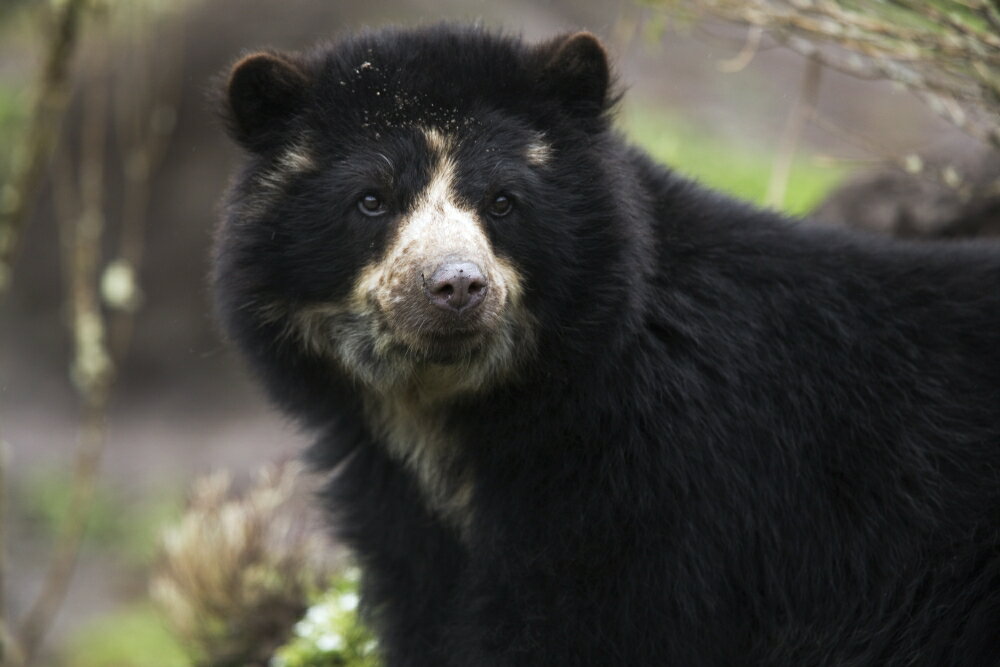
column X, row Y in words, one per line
column 412, row 425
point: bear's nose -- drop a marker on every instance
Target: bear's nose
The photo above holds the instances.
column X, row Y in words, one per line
column 457, row 286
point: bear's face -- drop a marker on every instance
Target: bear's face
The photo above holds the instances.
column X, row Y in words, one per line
column 431, row 299
column 416, row 207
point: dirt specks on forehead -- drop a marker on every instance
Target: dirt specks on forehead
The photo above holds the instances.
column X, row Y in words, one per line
column 398, row 77
column 381, row 102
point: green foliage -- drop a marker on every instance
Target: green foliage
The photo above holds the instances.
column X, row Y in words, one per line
column 331, row 635
column 132, row 637
column 741, row 170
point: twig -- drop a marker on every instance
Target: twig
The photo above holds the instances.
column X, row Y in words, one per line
column 792, row 134
column 40, row 138
column 746, row 54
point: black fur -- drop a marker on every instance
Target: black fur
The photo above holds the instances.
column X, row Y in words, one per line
column 740, row 440
column 263, row 91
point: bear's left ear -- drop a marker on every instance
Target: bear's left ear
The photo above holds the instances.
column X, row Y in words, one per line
column 575, row 69
column 263, row 93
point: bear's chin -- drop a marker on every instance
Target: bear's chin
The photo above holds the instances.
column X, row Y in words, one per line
column 452, row 352
column 454, row 347
column 441, row 338
column 388, row 353
column 441, row 365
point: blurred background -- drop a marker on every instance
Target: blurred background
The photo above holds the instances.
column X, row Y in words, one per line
column 113, row 376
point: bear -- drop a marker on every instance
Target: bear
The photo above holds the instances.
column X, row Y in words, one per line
column 579, row 410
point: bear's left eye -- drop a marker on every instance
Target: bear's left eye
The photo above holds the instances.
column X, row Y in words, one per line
column 501, row 206
column 371, row 205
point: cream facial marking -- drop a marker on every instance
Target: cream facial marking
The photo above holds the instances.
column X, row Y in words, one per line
column 438, row 229
column 538, row 153
column 296, row 159
column 439, row 144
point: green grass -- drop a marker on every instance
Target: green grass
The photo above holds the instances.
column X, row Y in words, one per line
column 132, row 637
column 741, row 170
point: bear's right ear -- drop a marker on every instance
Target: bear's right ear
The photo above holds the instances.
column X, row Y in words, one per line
column 264, row 92
column 574, row 68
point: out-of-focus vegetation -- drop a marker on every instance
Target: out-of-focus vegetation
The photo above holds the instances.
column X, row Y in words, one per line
column 743, row 170
column 237, row 573
column 134, row 636
column 946, row 51
column 329, row 635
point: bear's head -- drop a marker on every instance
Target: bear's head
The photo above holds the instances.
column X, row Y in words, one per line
column 428, row 208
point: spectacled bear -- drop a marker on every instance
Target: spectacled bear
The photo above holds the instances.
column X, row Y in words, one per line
column 582, row 411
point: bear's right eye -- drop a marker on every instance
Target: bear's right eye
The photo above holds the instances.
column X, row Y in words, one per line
column 501, row 206
column 371, row 205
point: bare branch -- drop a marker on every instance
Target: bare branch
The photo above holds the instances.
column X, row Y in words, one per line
column 949, row 19
column 746, row 54
column 946, row 51
column 40, row 138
